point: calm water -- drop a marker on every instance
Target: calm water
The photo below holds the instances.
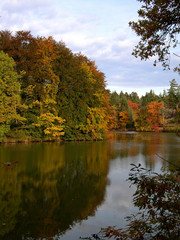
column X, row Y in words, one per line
column 67, row 190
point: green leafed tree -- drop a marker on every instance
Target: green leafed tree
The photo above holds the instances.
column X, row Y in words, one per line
column 158, row 27
column 149, row 97
column 114, row 99
column 9, row 94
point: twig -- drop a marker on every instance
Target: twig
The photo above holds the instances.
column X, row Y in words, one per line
column 168, row 162
column 86, row 238
column 176, row 55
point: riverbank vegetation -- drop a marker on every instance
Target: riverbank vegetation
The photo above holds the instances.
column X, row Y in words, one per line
column 49, row 93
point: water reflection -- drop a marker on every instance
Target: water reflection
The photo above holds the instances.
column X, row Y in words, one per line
column 51, row 187
column 146, row 146
column 55, row 186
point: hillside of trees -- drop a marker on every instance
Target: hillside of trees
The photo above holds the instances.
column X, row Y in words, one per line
column 49, row 93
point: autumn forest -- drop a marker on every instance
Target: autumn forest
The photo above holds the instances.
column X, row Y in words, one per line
column 49, row 93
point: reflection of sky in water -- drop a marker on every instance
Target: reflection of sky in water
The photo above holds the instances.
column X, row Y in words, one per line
column 116, row 206
column 118, row 199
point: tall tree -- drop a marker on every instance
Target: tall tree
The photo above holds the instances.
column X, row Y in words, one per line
column 174, row 94
column 158, row 28
column 44, row 78
column 154, row 114
column 9, row 94
column 82, row 98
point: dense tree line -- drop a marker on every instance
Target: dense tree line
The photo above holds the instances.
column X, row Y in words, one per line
column 149, row 112
column 47, row 92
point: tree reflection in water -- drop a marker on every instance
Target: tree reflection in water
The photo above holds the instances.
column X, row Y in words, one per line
column 57, row 185
column 52, row 187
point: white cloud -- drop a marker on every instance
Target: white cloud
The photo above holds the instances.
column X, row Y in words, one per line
column 98, row 29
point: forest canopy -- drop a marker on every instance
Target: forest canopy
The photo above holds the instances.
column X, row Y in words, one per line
column 57, row 93
column 50, row 93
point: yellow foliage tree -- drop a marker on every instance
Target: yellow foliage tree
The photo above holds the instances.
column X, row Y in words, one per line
column 96, row 123
column 51, row 125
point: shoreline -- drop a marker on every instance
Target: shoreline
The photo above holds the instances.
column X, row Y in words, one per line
column 28, row 141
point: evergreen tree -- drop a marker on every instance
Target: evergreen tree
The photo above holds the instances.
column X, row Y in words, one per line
column 149, row 97
column 114, row 99
column 134, row 97
column 174, row 94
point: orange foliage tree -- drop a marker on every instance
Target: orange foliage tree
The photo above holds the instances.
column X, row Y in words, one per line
column 123, row 119
column 154, row 114
column 113, row 118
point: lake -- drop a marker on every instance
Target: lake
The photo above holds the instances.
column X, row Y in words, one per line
column 72, row 189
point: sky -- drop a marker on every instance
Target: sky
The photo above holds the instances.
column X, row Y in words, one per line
column 98, row 29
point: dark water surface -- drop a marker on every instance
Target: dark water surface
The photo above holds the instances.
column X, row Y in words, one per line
column 72, row 189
